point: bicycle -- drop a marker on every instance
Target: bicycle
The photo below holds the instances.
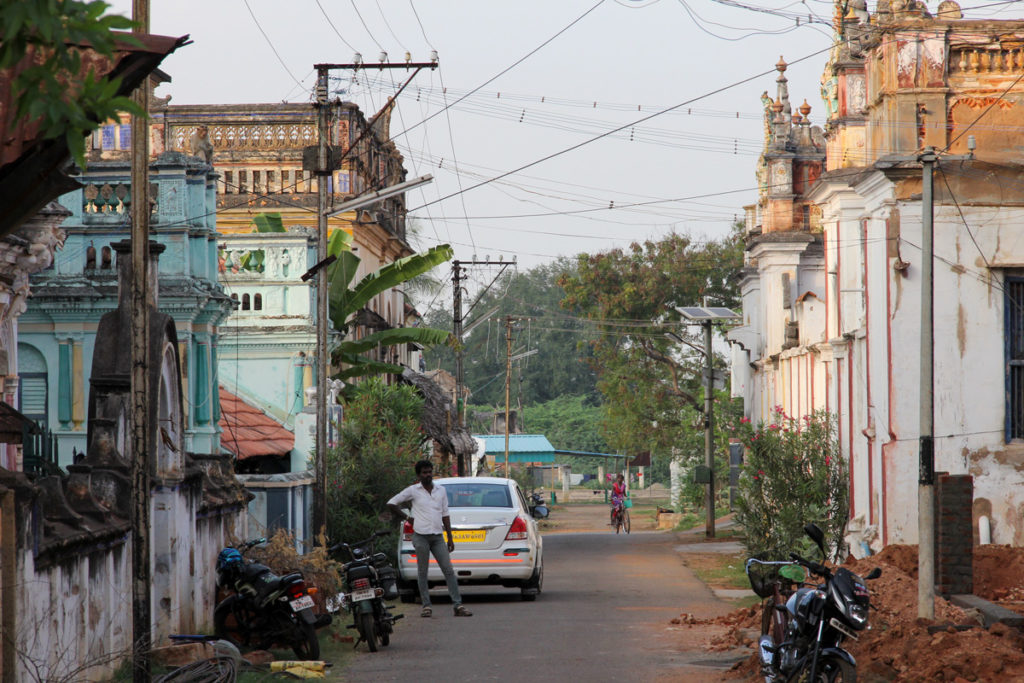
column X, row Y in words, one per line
column 620, row 518
column 774, row 582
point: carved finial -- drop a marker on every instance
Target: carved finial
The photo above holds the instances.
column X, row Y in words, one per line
column 777, row 106
column 949, row 11
column 797, row 118
column 805, row 108
column 781, row 65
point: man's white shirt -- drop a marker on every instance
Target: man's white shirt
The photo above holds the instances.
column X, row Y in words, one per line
column 428, row 507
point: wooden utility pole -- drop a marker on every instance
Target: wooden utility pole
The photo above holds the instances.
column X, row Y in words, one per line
column 140, row 390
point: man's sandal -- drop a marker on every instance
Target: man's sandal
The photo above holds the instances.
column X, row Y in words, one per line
column 461, row 611
column 426, row 612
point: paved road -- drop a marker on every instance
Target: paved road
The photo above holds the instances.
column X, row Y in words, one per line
column 603, row 616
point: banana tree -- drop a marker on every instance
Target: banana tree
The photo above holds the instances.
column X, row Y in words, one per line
column 345, row 301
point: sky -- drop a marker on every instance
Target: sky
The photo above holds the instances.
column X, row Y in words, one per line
column 536, row 85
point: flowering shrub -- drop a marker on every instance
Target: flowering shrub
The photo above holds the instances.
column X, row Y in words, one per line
column 793, row 474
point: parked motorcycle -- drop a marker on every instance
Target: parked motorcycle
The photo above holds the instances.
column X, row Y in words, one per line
column 538, row 508
column 369, row 580
column 265, row 609
column 802, row 638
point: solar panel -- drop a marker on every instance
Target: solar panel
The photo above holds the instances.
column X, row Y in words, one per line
column 695, row 312
column 723, row 313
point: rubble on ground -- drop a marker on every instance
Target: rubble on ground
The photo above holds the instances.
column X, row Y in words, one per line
column 899, row 647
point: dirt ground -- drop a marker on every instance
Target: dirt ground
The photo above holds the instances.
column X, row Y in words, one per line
column 899, row 647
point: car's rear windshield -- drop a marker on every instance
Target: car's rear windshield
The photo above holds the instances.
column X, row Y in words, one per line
column 470, row 495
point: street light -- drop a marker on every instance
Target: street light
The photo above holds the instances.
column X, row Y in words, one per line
column 377, row 195
column 706, row 317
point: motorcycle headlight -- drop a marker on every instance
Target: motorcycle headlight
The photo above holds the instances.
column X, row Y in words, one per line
column 859, row 615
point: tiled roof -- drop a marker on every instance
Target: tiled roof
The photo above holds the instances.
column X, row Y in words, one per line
column 248, row 431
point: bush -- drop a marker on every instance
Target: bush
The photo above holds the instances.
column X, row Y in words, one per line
column 793, row 473
column 380, row 441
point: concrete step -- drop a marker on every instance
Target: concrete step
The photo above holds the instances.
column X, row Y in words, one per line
column 990, row 612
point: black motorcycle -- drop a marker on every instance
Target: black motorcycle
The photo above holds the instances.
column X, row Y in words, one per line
column 369, row 580
column 805, row 625
column 538, row 508
column 265, row 609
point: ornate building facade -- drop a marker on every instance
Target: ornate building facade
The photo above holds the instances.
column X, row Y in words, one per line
column 832, row 303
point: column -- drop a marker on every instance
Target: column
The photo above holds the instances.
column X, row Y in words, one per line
column 201, row 402
column 64, row 381
column 77, row 384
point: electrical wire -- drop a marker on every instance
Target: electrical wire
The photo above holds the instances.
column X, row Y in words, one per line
column 333, row 27
column 363, row 22
column 515, row 63
column 271, row 44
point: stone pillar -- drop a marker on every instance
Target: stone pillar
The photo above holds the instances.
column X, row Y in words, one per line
column 675, row 477
column 77, row 384
column 64, row 382
column 566, row 471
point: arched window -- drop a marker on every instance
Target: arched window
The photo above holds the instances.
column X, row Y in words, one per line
column 106, row 258
column 90, row 257
column 32, row 387
column 245, row 302
column 257, row 302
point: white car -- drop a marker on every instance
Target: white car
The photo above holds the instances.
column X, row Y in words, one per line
column 496, row 539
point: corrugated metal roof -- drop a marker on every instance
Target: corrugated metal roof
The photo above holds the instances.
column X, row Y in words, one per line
column 248, row 431
column 517, row 443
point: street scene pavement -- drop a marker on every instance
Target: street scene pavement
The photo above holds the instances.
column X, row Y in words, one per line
column 603, row 615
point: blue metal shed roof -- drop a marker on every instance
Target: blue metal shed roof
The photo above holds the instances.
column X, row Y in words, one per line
column 521, row 447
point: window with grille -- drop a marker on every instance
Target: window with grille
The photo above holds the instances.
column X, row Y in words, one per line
column 32, row 387
column 1014, row 358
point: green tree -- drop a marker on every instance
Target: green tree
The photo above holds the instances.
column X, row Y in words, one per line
column 559, row 368
column 793, row 474
column 380, row 441
column 51, row 89
column 346, row 300
column 645, row 377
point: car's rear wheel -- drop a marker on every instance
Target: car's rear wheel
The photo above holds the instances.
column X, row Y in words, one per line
column 534, row 584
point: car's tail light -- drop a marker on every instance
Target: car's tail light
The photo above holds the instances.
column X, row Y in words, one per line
column 296, row 589
column 517, row 532
column 360, row 583
column 407, row 531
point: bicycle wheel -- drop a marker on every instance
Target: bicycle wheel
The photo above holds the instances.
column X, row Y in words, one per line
column 625, row 520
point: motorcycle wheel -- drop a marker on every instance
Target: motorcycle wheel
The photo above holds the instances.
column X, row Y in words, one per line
column 385, row 635
column 306, row 645
column 368, row 630
column 231, row 622
column 836, row 670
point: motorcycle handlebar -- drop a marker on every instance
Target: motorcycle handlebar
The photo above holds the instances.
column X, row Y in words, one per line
column 814, row 567
column 358, row 544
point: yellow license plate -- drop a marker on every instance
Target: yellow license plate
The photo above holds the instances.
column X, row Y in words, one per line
column 469, row 535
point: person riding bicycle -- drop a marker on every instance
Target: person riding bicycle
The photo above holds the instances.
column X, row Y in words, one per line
column 618, row 496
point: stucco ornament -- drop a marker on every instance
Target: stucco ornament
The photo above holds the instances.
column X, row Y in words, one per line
column 782, row 179
column 830, row 96
column 857, row 94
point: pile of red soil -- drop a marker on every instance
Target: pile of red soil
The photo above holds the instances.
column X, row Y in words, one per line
column 901, row 648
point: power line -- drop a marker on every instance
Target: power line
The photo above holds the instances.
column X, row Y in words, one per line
column 271, row 44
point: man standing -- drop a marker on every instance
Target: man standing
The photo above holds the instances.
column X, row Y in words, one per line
column 429, row 517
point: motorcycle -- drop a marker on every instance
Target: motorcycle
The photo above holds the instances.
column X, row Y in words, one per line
column 802, row 639
column 265, row 609
column 369, row 580
column 538, row 508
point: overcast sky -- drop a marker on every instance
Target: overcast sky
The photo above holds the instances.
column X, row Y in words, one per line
column 604, row 65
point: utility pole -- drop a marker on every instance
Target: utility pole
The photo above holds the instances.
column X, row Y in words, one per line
column 323, row 172
column 926, row 451
column 140, row 390
column 457, row 327
column 326, row 162
column 709, row 432
column 508, row 383
column 457, row 278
